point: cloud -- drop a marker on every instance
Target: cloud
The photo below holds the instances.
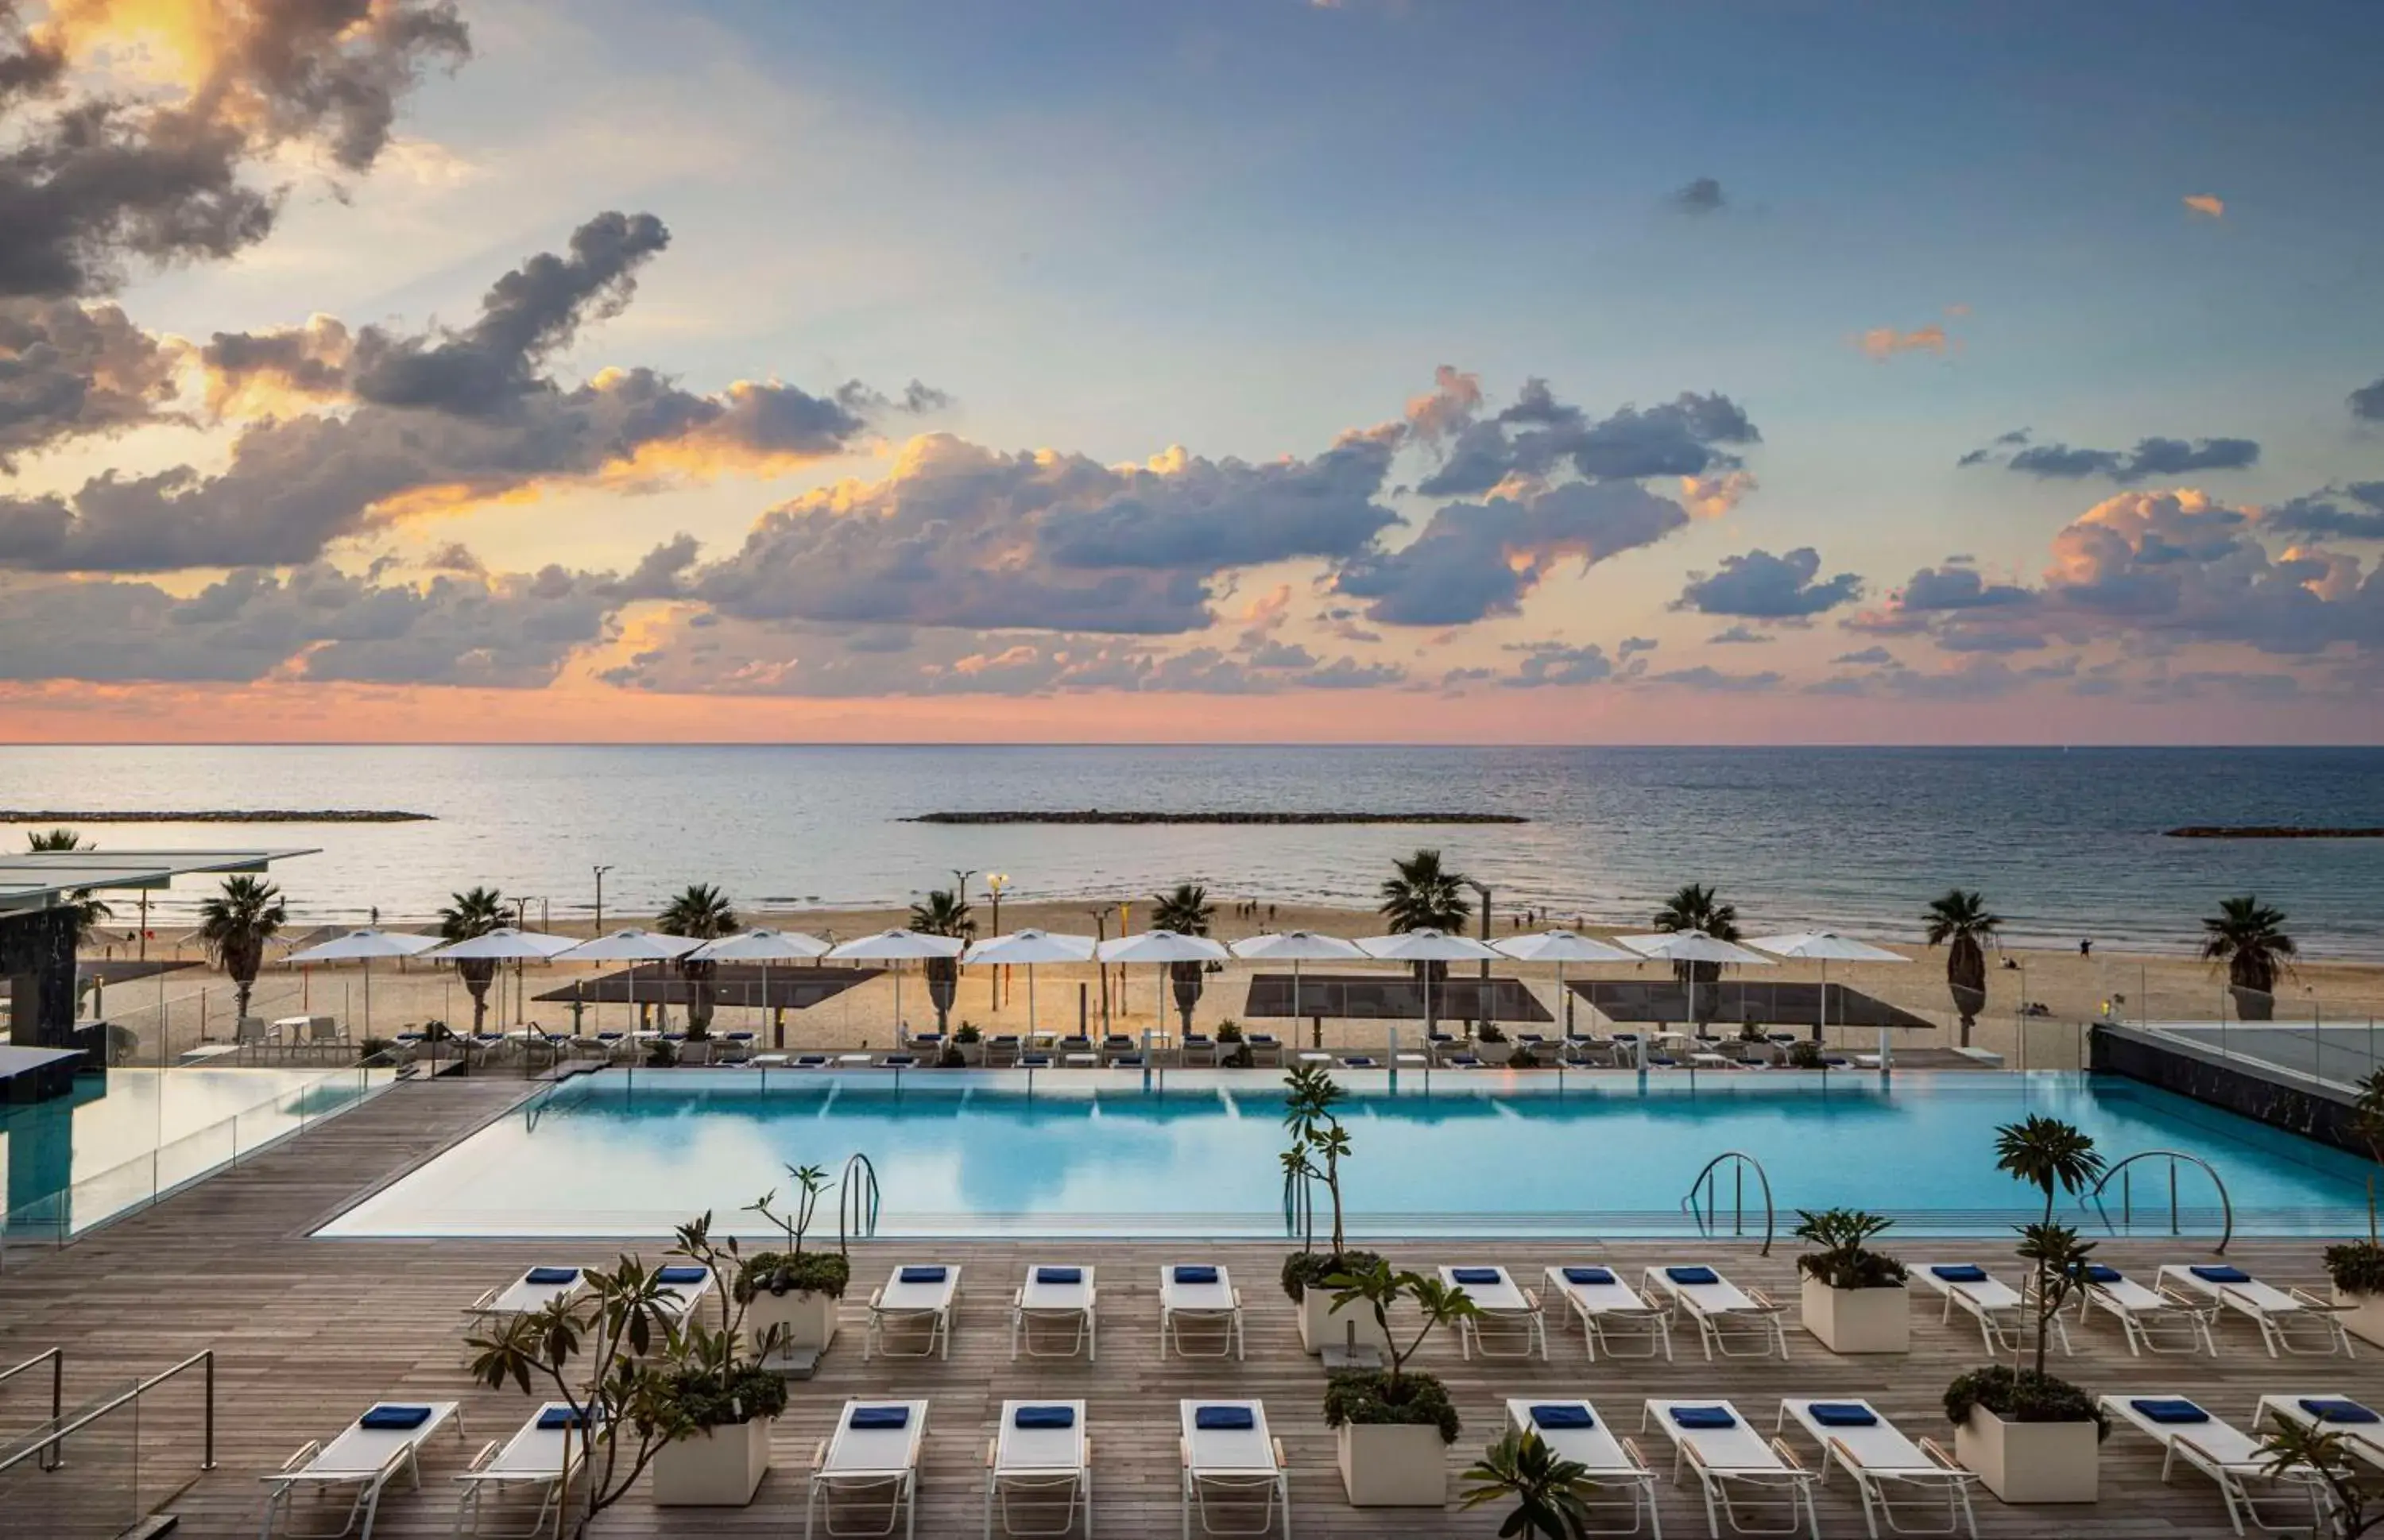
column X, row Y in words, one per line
column 1553, row 663
column 2205, row 204
column 2151, row 457
column 2367, row 403
column 1452, row 401
column 1700, row 197
column 1738, row 636
column 1867, row 657
column 2320, row 516
column 280, row 371
column 1760, row 586
column 1633, row 645
column 1883, row 342
column 1715, row 679
column 1540, row 436
column 70, row 369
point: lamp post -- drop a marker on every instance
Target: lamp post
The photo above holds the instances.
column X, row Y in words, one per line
column 1482, row 997
column 994, row 883
column 521, row 986
column 600, row 898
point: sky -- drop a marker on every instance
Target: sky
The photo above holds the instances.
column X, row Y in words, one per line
column 1224, row 370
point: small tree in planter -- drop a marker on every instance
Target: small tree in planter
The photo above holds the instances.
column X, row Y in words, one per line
column 1853, row 1297
column 1233, row 1046
column 794, row 1293
column 2032, row 1437
column 1319, row 1144
column 1393, row 1425
column 1550, row 1493
column 2357, row 1267
column 2314, row 1452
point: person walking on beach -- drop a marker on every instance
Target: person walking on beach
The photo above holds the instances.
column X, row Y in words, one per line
column 2086, row 948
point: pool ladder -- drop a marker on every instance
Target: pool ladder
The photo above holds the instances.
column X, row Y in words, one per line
column 2127, row 1194
column 1739, row 1163
column 856, row 1200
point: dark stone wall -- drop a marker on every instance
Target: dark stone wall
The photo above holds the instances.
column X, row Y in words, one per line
column 2313, row 1111
column 37, row 960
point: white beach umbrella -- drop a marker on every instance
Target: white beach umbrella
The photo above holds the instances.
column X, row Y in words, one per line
column 1826, row 947
column 1296, row 947
column 504, row 944
column 1163, row 947
column 1561, row 946
column 1031, row 947
column 633, row 945
column 1694, row 946
column 363, row 946
column 764, row 946
column 1426, row 945
column 898, row 947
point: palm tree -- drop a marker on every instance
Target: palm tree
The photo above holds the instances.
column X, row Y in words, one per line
column 2249, row 937
column 88, row 911
column 944, row 912
column 702, row 912
column 234, row 926
column 1186, row 911
column 2045, row 1153
column 473, row 913
column 1962, row 919
column 1425, row 896
column 1550, row 1493
column 1697, row 907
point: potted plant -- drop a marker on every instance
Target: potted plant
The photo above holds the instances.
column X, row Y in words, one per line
column 794, row 1293
column 645, row 1386
column 2356, row 1267
column 1550, row 1493
column 1234, row 1047
column 2033, row 1438
column 2324, row 1457
column 970, row 1041
column 1853, row 1295
column 1805, row 1054
column 1392, row 1428
column 1318, row 1144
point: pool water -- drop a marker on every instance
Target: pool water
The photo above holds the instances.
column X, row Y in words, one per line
column 1099, row 1154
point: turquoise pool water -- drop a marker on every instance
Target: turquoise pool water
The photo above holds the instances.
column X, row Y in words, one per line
column 1099, row 1154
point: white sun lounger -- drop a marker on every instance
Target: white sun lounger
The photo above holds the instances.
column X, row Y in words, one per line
column 2361, row 1426
column 873, row 1468
column 1059, row 1296
column 2154, row 1323
column 1736, row 1322
column 1208, row 1298
column 1611, row 1311
column 1757, row 1487
column 1230, row 1471
column 536, row 1461
column 2291, row 1321
column 2231, row 1457
column 1039, row 1479
column 1614, row 1464
column 682, row 1296
column 362, row 1458
column 2000, row 1310
column 911, row 1301
column 1910, row 1488
column 524, row 1296
column 1508, row 1312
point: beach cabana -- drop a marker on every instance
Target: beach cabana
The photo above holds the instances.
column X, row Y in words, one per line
column 1561, row 946
column 1030, row 947
column 898, row 947
column 363, row 946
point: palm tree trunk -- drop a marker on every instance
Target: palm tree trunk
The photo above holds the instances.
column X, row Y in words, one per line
column 1965, row 979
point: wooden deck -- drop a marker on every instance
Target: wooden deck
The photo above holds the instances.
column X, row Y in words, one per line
column 307, row 1333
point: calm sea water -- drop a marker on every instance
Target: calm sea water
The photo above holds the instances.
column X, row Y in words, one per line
column 2064, row 843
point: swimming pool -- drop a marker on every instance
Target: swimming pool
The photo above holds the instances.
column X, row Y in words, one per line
column 1097, row 1153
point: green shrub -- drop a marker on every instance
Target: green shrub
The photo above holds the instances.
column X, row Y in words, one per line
column 783, row 1272
column 2356, row 1267
column 968, row 1033
column 1368, row 1397
column 1492, row 1033
column 951, row 1058
column 1842, row 1260
column 697, row 1399
column 1306, row 1270
column 1229, row 1031
column 373, row 1048
column 2023, row 1395
column 1520, row 1058
column 661, row 1055
column 1805, row 1054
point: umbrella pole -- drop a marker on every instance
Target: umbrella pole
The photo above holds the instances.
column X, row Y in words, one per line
column 1294, row 1004
column 1030, row 1002
column 1564, row 1005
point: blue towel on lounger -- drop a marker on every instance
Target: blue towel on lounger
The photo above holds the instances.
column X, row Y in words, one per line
column 681, row 1275
column 552, row 1276
column 900, row 1060
column 2175, row 1410
column 1703, row 1418
column 1195, row 1274
column 878, row 1419
column 1563, row 1416
column 1059, row 1275
column 1224, row 1419
column 929, row 1274
column 394, row 1419
column 1960, row 1272
column 1475, row 1274
column 2096, row 1273
column 1589, row 1275
column 1693, row 1276
column 2328, row 1410
column 1044, row 1417
column 554, row 1418
column 1127, row 1062
column 1843, row 1414
column 2220, row 1274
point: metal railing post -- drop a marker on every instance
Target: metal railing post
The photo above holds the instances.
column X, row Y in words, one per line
column 208, row 1462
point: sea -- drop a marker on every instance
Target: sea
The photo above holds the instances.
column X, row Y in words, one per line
column 2064, row 844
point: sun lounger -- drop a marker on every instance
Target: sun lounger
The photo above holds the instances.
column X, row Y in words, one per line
column 1507, row 1314
column 537, row 1461
column 1757, row 1487
column 2154, row 1323
column 534, row 1290
column 1734, row 1322
column 388, row 1438
column 1572, row 1430
column 1264, row 1047
column 1614, row 1319
column 2004, row 1318
column 684, row 1286
column 1039, row 1470
column 914, row 1298
column 2291, row 1321
column 870, row 1463
column 1201, row 1295
column 2292, row 1500
column 1054, row 1297
column 1231, row 1467
column 2361, row 1426
column 1908, row 1488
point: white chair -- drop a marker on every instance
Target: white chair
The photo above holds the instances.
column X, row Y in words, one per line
column 1734, row 1322
column 1232, row 1465
column 534, row 1290
column 916, row 1299
column 537, row 1461
column 2291, row 1321
column 684, row 1286
column 2229, row 1457
column 1058, row 1298
column 388, row 1438
column 2361, row 1426
column 1508, row 1314
column 1902, row 1484
column 1613, row 1317
column 1200, row 1295
column 2004, row 1320
column 1038, row 1468
column 1758, row 1488
column 2154, row 1323
column 870, row 1463
column 1572, row 1430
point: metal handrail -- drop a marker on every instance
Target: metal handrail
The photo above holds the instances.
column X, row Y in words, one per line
column 1740, row 1162
column 48, row 1448
column 2127, row 1194
column 856, row 1200
column 56, row 1359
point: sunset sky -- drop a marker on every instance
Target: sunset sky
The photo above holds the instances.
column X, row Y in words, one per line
column 1476, row 370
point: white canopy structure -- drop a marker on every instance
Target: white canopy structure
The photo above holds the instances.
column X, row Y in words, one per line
column 1296, row 947
column 1694, row 946
column 363, row 946
column 1826, row 947
column 633, row 945
column 1030, row 947
column 764, row 946
column 897, row 947
column 501, row 945
column 1164, row 949
column 1426, row 945
column 1561, row 946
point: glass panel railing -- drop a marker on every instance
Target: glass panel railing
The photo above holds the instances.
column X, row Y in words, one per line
column 115, row 1458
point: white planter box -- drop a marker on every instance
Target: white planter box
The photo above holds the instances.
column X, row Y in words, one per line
column 2364, row 1319
column 1858, row 1320
column 2031, row 1462
column 810, row 1319
column 718, row 1468
column 1394, row 1465
column 1321, row 1326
